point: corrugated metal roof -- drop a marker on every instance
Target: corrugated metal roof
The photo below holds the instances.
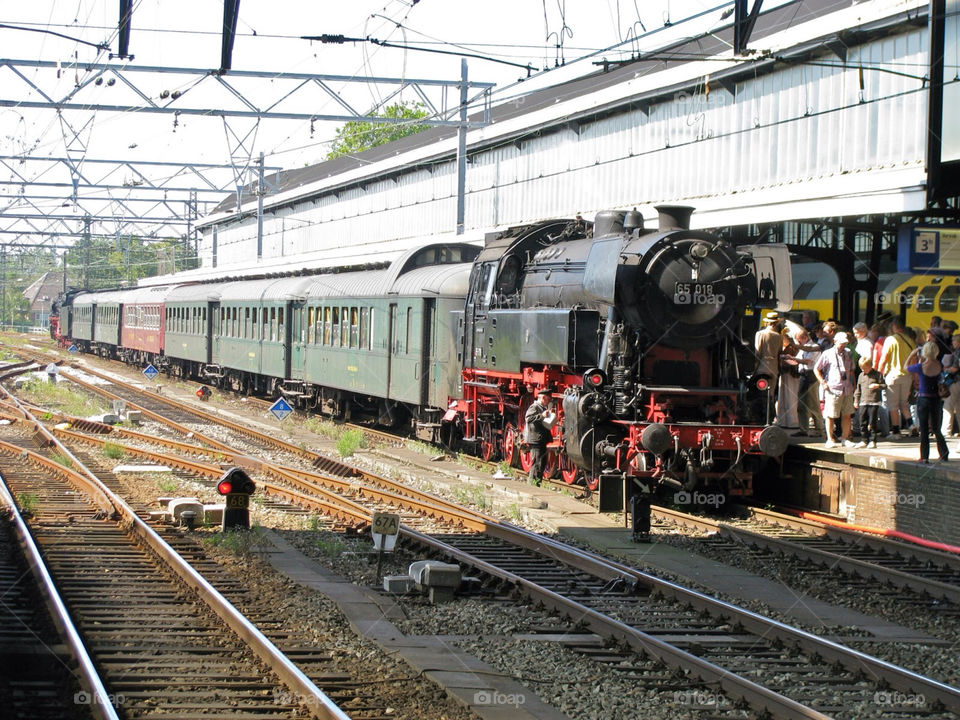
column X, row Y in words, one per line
column 101, row 298
column 717, row 40
column 437, row 281
column 153, row 294
column 370, row 283
column 194, row 293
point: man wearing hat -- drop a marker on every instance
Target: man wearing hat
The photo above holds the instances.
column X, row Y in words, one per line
column 768, row 342
column 538, row 420
column 834, row 370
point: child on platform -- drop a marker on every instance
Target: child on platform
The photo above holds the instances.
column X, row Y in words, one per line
column 867, row 397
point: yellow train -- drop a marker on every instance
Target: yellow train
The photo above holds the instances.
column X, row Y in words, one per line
column 916, row 297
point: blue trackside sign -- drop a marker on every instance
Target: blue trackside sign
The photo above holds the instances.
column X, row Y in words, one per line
column 281, row 409
column 151, row 372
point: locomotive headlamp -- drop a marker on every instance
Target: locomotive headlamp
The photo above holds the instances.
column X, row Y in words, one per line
column 594, row 378
column 699, row 250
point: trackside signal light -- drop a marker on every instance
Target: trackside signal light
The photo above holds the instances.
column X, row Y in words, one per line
column 762, row 384
column 225, row 487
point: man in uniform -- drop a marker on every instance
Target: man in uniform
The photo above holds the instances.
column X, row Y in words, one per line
column 768, row 343
column 538, row 420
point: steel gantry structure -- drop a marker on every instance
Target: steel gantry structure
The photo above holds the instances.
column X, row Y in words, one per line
column 163, row 199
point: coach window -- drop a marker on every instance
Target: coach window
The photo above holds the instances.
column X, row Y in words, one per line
column 280, row 328
column 949, row 299
column 247, row 329
column 354, row 327
column 926, row 297
column 345, row 327
column 365, row 328
column 327, row 325
column 311, row 329
column 335, row 327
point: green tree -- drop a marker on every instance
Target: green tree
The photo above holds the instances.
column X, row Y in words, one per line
column 96, row 263
column 356, row 136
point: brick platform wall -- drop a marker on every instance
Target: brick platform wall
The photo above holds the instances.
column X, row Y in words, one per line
column 877, row 491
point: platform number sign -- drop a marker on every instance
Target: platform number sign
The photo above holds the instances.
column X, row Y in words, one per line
column 150, row 372
column 931, row 249
column 384, row 528
column 281, row 409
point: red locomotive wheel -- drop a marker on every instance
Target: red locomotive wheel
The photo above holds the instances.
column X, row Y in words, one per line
column 526, row 460
column 591, row 482
column 552, row 466
column 488, row 442
column 511, row 445
column 568, row 471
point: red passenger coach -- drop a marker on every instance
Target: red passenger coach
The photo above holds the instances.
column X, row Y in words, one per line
column 141, row 334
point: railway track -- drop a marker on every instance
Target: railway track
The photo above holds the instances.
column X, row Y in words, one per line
column 930, row 574
column 164, row 640
column 767, row 665
column 37, row 681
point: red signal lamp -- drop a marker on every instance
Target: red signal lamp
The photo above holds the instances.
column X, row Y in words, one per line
column 594, row 378
column 762, row 384
column 235, row 481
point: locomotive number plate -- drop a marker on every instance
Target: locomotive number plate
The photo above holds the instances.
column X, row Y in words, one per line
column 688, row 293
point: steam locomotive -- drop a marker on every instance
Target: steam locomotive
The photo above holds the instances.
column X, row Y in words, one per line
column 638, row 331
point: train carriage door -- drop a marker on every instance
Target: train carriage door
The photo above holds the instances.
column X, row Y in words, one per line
column 426, row 348
column 216, row 331
column 296, row 340
column 391, row 346
column 211, row 312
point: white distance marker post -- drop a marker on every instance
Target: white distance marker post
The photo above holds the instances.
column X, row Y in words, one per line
column 384, row 528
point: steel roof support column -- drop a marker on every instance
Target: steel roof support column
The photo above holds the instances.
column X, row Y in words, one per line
column 260, row 193
column 462, row 149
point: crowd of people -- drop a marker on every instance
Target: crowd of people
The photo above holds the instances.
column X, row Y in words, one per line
column 882, row 382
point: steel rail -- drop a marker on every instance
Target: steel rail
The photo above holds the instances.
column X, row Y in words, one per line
column 316, row 701
column 757, row 696
column 785, row 546
column 345, row 509
column 311, row 482
column 855, row 537
column 85, row 671
column 209, row 417
column 149, row 413
column 852, row 660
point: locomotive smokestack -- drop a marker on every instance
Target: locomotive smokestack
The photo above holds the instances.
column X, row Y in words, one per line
column 674, row 217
